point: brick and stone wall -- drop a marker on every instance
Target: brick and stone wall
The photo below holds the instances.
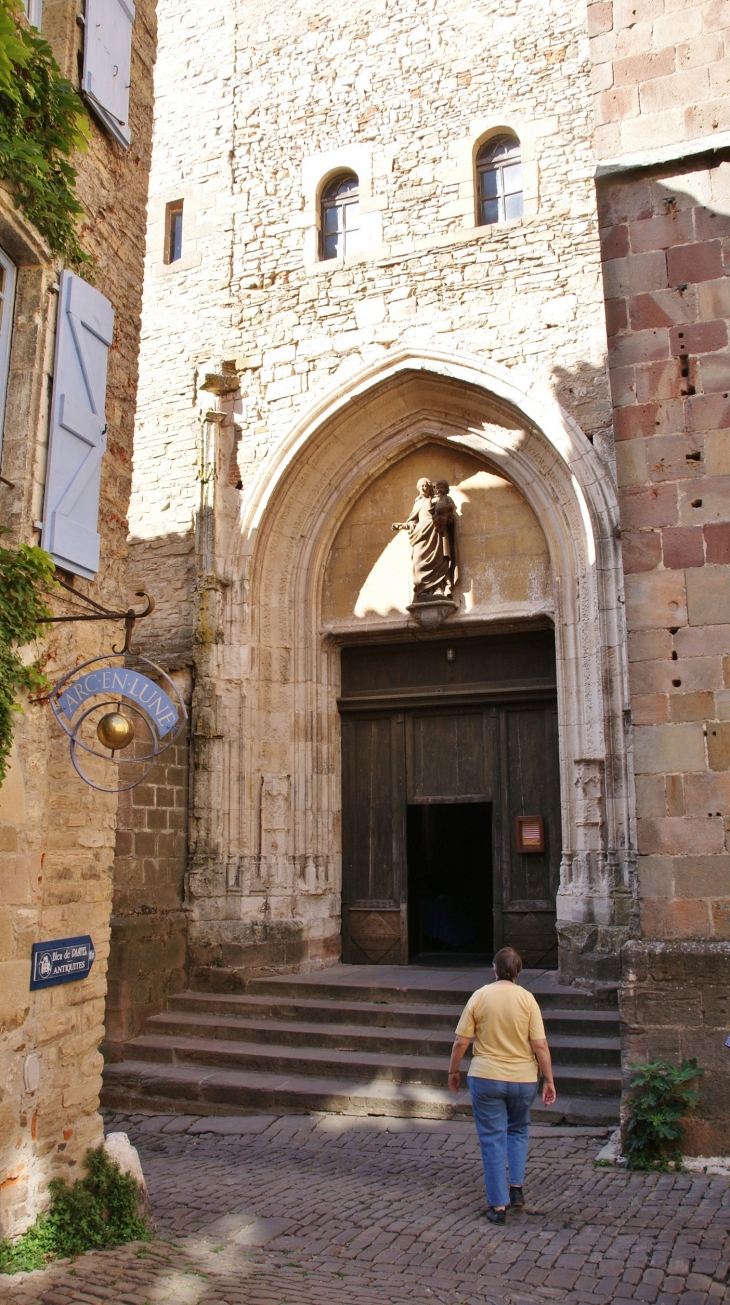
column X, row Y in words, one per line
column 56, row 834
column 666, row 247
column 148, row 948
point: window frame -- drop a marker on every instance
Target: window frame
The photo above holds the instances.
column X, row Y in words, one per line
column 333, row 203
column 173, row 211
column 7, row 313
column 488, row 164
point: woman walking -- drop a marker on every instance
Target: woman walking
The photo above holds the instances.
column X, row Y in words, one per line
column 509, row 1047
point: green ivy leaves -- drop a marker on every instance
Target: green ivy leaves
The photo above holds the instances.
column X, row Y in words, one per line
column 42, row 122
column 26, row 578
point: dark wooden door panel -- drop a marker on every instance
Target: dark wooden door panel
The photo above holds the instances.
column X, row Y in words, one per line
column 373, row 839
column 446, row 757
column 531, row 787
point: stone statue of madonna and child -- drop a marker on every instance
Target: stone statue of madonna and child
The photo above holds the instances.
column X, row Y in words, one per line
column 432, row 533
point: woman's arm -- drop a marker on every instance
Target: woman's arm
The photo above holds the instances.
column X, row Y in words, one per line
column 458, row 1051
column 545, row 1065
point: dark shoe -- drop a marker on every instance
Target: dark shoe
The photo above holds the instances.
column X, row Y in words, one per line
column 496, row 1216
column 516, row 1196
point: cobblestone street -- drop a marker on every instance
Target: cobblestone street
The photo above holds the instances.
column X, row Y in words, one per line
column 333, row 1210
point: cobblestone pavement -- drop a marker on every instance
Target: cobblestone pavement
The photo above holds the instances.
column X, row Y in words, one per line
column 333, row 1210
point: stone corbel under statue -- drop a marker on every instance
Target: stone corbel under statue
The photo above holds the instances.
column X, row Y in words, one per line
column 432, row 534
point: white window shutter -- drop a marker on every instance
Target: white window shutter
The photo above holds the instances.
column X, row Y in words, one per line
column 108, row 63
column 77, row 439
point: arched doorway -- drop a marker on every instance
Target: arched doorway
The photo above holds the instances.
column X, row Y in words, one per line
column 284, row 848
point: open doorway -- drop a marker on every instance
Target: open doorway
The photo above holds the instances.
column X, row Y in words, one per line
column 450, row 882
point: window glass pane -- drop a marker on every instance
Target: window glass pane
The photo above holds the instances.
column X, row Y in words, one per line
column 512, row 177
column 331, row 249
column 489, row 183
column 351, row 216
column 176, row 236
column 331, row 218
column 513, row 206
column 490, row 211
column 2, row 280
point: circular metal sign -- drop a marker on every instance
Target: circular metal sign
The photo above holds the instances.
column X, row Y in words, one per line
column 120, row 711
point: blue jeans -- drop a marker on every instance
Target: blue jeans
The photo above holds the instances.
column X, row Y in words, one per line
column 502, row 1116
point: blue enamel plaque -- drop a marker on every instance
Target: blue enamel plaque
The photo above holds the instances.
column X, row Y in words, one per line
column 62, row 961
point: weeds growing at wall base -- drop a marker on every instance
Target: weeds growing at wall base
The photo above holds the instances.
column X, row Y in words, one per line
column 93, row 1214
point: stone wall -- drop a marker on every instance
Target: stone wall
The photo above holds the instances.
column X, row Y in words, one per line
column 675, row 1004
column 248, row 337
column 666, row 239
column 664, row 208
column 56, row 834
column 659, row 76
column 148, row 947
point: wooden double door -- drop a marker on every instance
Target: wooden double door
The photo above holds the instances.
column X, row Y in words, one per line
column 438, row 782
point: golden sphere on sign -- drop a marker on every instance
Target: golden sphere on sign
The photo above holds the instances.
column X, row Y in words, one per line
column 115, row 731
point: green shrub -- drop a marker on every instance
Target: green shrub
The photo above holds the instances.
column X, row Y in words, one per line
column 26, row 579
column 661, row 1099
column 92, row 1214
column 42, row 123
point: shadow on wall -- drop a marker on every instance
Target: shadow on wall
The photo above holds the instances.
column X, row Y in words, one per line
column 502, row 552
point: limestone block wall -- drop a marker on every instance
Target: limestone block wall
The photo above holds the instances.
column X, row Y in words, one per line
column 660, row 76
column 56, row 834
column 245, row 139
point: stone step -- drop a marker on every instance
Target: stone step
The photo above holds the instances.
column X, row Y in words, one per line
column 548, row 992
column 377, row 1014
column 130, row 1085
column 579, row 1079
column 580, row 1049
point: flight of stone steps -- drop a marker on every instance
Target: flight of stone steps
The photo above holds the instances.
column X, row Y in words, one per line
column 354, row 1040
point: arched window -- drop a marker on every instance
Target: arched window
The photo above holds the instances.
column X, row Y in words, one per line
column 341, row 217
column 499, row 180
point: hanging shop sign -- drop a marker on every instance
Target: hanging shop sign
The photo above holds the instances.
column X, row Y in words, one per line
column 62, row 961
column 120, row 711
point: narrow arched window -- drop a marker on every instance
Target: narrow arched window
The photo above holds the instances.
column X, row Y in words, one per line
column 499, row 180
column 341, row 217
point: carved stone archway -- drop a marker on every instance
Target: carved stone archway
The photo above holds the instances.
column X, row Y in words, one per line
column 264, row 877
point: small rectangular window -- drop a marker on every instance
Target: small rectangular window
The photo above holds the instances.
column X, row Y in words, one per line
column 34, row 12
column 173, row 233
column 7, row 297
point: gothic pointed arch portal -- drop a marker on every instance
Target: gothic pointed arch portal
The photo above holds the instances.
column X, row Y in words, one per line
column 265, row 881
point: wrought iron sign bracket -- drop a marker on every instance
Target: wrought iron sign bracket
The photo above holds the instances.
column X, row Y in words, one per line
column 130, row 617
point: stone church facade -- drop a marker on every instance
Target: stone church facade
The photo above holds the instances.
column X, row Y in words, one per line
column 349, row 287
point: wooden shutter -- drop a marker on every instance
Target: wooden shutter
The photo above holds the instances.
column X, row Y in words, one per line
column 108, row 63
column 78, row 427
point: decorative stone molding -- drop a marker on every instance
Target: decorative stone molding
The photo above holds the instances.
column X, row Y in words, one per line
column 432, row 614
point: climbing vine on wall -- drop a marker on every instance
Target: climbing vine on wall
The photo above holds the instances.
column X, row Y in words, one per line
column 26, row 579
column 42, row 122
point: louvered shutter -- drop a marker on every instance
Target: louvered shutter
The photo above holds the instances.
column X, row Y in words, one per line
column 108, row 63
column 77, row 437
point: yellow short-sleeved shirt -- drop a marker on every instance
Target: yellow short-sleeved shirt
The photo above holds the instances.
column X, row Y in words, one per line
column 502, row 1018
